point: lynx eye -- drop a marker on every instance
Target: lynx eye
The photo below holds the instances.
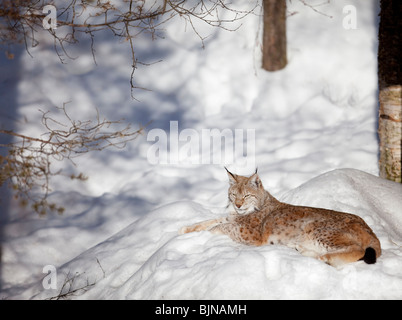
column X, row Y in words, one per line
column 247, row 195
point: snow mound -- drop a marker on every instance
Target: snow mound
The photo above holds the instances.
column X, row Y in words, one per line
column 149, row 260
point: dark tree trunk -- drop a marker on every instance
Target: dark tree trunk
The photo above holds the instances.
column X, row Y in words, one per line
column 390, row 89
column 274, row 37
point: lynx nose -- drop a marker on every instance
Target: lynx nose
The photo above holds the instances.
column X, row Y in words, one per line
column 238, row 205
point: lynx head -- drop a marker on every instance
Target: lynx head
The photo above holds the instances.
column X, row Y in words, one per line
column 246, row 194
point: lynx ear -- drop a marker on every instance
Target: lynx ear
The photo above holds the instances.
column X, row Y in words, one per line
column 255, row 181
column 232, row 177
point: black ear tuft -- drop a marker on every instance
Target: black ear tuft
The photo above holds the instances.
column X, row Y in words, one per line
column 255, row 181
column 232, row 177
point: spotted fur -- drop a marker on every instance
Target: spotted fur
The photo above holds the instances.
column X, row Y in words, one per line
column 259, row 219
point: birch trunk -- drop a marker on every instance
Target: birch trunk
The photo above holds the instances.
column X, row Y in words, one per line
column 390, row 90
column 390, row 132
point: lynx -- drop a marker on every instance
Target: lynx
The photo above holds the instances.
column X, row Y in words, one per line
column 260, row 219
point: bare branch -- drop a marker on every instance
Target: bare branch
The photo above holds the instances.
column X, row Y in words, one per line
column 27, row 167
column 313, row 7
column 69, row 289
column 23, row 19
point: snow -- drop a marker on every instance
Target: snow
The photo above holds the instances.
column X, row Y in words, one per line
column 118, row 238
column 149, row 260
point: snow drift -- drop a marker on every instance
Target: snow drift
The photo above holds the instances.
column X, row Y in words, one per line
column 149, row 260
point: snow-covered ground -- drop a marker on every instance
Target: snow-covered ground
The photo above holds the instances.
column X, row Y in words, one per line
column 118, row 237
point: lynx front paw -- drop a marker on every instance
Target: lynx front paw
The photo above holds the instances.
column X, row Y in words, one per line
column 184, row 230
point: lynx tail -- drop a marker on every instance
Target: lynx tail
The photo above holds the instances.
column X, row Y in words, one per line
column 370, row 256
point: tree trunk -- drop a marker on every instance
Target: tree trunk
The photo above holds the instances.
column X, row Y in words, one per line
column 274, row 37
column 390, row 87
